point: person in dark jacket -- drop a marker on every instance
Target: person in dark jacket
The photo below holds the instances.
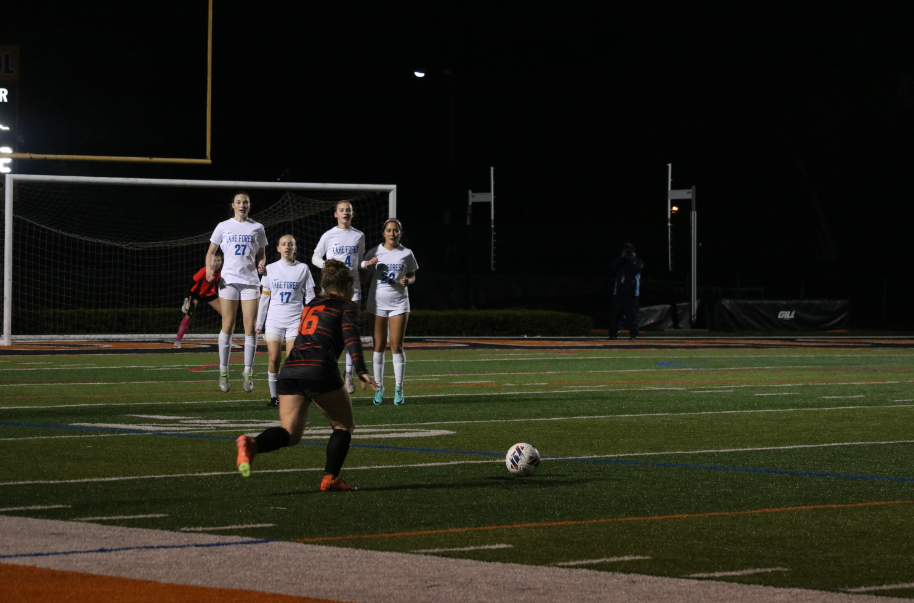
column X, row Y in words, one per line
column 626, row 289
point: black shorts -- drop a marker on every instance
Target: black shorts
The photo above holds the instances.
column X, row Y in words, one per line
column 204, row 298
column 308, row 387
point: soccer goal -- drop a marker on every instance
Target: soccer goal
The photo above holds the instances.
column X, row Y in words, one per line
column 113, row 258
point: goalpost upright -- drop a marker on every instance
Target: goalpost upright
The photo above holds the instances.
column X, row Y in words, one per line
column 292, row 187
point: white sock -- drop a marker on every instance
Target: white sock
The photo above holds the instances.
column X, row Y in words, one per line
column 348, row 364
column 377, row 359
column 250, row 348
column 271, row 380
column 399, row 367
column 225, row 350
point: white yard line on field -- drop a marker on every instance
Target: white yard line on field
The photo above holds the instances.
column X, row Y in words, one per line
column 868, row 589
column 441, row 464
column 487, row 547
column 235, row 473
column 119, row 517
column 719, row 450
column 88, row 435
column 74, row 383
column 606, row 560
column 35, row 508
column 647, row 414
column 747, row 572
column 238, row 527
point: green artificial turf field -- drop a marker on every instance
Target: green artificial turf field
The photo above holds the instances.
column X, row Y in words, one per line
column 784, row 466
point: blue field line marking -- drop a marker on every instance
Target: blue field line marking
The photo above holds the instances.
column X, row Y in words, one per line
column 727, row 468
column 678, row 364
column 157, row 547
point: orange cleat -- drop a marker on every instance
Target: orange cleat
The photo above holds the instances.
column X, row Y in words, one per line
column 246, row 451
column 334, row 484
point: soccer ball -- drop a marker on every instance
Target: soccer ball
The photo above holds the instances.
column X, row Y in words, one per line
column 522, row 459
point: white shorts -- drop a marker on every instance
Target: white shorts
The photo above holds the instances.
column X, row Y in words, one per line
column 389, row 313
column 280, row 334
column 236, row 291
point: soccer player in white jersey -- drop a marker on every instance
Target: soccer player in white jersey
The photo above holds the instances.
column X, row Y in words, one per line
column 388, row 300
column 346, row 244
column 285, row 288
column 243, row 243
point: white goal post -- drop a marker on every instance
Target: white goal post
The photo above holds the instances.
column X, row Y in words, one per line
column 84, row 254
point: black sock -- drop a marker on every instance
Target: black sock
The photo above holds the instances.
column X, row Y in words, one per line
column 272, row 439
column 337, row 449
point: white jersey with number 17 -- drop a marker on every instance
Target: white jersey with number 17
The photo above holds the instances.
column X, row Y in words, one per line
column 289, row 287
column 346, row 245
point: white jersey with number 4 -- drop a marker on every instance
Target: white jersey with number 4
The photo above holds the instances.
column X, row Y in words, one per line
column 240, row 242
column 346, row 245
column 386, row 291
column 290, row 287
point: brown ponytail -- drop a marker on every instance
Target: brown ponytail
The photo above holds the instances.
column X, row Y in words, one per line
column 335, row 277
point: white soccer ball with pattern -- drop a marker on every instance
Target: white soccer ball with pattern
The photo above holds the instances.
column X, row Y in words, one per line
column 522, row 459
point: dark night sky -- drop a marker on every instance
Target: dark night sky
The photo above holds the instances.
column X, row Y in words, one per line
column 794, row 120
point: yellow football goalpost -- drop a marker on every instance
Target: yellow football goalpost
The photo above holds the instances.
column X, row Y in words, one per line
column 209, row 104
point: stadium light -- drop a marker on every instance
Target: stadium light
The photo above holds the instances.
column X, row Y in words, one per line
column 419, row 73
column 674, row 209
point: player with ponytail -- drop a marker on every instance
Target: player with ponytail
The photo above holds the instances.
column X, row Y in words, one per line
column 311, row 374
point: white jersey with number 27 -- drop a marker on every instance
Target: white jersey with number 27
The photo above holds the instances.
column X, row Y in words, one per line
column 346, row 245
column 240, row 242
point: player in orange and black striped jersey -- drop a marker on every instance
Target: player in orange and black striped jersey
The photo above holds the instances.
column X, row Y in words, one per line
column 200, row 290
column 311, row 374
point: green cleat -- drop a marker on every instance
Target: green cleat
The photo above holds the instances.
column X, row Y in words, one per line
column 379, row 395
column 398, row 395
column 248, row 383
column 224, row 384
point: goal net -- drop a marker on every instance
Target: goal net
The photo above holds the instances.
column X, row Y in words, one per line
column 114, row 257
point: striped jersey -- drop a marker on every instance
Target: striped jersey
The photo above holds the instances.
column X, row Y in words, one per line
column 328, row 326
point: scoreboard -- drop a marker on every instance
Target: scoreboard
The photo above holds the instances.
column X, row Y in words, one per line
column 9, row 104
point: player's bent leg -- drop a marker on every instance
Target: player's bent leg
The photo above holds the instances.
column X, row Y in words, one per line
column 337, row 450
column 215, row 305
column 293, row 415
column 337, row 407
